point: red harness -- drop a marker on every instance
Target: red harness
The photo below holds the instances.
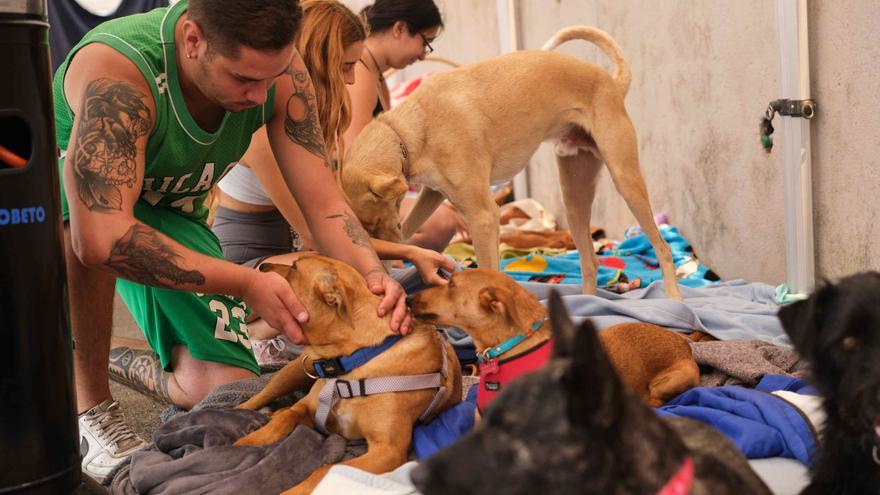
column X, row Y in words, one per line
column 495, row 373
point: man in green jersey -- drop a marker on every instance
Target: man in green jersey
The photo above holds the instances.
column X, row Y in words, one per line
column 151, row 110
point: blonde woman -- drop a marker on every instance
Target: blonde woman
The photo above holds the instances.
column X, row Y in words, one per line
column 401, row 33
column 257, row 220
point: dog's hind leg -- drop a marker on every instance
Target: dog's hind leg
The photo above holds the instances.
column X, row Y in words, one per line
column 427, row 202
column 578, row 176
column 616, row 139
column 678, row 378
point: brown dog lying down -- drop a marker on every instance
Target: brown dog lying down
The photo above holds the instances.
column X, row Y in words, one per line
column 559, row 239
column 463, row 129
column 343, row 332
column 509, row 329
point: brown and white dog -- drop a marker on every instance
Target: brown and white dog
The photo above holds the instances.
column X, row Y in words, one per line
column 464, row 129
column 343, row 322
column 507, row 324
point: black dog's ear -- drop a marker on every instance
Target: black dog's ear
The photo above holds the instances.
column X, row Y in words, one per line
column 802, row 320
column 564, row 330
column 594, row 391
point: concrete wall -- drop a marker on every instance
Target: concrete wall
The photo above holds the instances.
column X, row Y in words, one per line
column 703, row 73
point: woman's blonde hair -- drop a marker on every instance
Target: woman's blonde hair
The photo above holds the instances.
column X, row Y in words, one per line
column 328, row 29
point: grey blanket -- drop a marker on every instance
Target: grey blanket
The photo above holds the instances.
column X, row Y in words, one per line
column 744, row 362
column 192, row 452
column 734, row 310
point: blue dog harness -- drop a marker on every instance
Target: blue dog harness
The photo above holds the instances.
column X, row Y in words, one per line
column 333, row 367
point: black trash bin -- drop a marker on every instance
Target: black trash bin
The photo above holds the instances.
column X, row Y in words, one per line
column 39, row 450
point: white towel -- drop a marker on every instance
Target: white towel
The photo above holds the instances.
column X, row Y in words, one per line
column 809, row 405
column 540, row 220
column 346, row 480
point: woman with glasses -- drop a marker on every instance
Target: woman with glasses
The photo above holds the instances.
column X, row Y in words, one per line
column 401, row 33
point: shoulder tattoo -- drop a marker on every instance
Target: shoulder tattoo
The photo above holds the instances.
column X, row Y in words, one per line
column 301, row 123
column 112, row 118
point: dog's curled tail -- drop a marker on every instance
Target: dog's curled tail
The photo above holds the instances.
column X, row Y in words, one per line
column 604, row 41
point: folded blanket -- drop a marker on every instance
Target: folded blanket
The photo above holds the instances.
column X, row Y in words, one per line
column 745, row 362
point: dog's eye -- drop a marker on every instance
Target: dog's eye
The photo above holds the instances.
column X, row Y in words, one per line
column 849, row 343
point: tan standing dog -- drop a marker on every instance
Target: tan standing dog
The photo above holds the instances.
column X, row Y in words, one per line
column 492, row 308
column 464, row 129
column 343, row 320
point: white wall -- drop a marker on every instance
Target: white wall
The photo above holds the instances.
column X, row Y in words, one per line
column 703, row 73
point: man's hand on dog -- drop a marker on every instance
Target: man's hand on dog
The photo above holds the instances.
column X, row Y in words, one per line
column 380, row 283
column 428, row 262
column 270, row 297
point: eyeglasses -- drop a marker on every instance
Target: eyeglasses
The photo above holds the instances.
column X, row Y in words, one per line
column 428, row 48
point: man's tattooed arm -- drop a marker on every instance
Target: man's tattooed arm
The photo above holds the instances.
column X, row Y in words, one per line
column 353, row 229
column 140, row 255
column 301, row 123
column 112, row 118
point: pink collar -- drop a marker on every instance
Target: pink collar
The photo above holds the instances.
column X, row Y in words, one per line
column 495, row 373
column 680, row 483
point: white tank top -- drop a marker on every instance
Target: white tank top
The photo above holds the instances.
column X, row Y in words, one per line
column 240, row 183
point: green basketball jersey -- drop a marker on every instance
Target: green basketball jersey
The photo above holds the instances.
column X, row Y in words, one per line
column 182, row 160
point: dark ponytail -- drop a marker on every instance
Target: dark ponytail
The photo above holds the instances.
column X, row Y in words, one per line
column 417, row 14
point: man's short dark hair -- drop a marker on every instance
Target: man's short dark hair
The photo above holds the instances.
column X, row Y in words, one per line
column 257, row 24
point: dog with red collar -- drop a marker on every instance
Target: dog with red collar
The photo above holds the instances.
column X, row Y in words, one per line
column 573, row 427
column 512, row 336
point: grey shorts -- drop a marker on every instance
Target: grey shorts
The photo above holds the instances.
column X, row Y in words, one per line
column 249, row 238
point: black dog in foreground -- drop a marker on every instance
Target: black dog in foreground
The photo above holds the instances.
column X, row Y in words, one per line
column 838, row 330
column 573, row 427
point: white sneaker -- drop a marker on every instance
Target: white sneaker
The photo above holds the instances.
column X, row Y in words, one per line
column 105, row 439
column 275, row 352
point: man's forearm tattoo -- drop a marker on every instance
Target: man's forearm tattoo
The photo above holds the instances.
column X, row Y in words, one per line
column 353, row 229
column 112, row 118
column 301, row 122
column 141, row 370
column 141, row 256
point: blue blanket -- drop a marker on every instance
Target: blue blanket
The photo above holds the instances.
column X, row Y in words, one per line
column 760, row 424
column 445, row 428
column 624, row 266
